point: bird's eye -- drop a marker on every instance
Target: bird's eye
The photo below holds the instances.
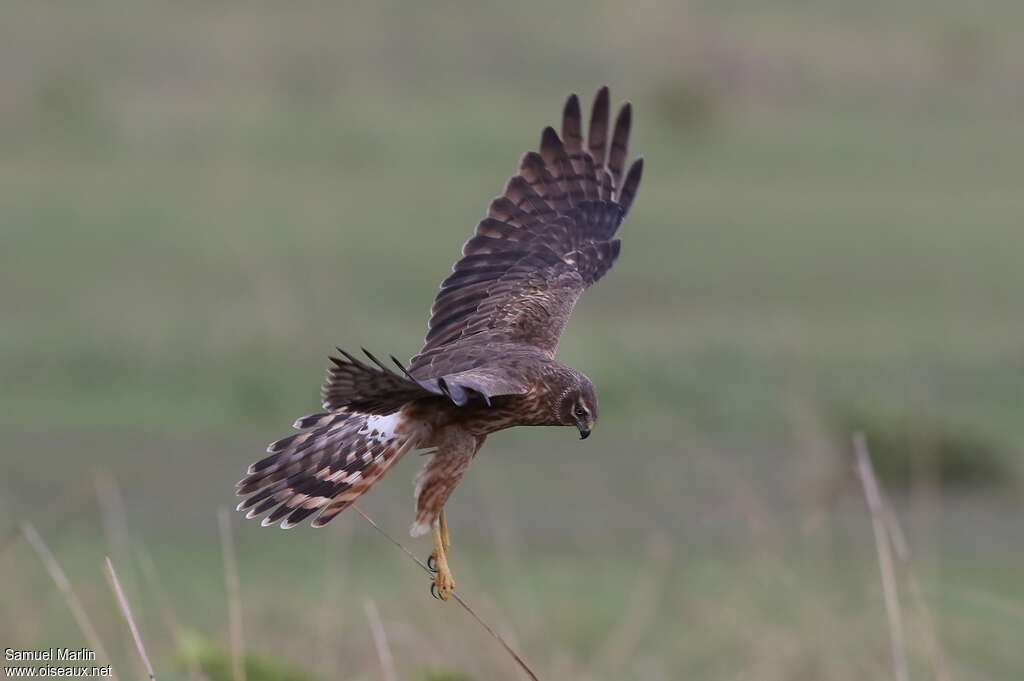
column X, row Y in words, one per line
column 581, row 412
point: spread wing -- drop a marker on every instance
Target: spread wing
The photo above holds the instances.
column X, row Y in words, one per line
column 544, row 241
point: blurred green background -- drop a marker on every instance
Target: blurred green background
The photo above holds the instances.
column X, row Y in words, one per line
column 198, row 200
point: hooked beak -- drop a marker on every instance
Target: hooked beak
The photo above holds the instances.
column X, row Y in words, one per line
column 584, row 431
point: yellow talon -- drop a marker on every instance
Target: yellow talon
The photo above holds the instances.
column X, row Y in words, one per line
column 444, row 584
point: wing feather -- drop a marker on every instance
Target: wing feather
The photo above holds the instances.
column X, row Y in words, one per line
column 546, row 239
column 620, row 143
column 597, row 138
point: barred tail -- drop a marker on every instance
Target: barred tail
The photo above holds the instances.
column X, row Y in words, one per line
column 338, row 456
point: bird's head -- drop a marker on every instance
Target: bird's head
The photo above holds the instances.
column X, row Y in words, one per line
column 578, row 406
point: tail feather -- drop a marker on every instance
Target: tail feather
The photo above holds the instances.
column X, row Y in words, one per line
column 326, row 468
column 357, row 387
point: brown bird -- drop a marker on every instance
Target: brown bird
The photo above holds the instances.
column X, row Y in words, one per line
column 488, row 362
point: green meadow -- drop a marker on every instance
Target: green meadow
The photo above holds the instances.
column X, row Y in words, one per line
column 199, row 201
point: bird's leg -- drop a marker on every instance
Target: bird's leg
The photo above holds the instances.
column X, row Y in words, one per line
column 445, row 542
column 443, row 584
column 445, row 539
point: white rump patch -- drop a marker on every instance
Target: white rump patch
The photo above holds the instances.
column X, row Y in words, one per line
column 385, row 426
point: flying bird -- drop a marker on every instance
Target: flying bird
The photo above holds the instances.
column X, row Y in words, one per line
column 488, row 361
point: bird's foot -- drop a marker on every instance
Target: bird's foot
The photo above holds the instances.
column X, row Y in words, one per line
column 443, row 584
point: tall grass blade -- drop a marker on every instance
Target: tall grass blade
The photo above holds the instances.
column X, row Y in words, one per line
column 893, row 611
column 64, row 586
column 380, row 641
column 126, row 610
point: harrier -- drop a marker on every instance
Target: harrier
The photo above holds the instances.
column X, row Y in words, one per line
column 488, row 361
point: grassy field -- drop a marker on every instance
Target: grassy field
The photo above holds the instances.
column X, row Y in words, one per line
column 198, row 201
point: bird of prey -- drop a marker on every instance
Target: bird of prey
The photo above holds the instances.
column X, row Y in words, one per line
column 488, row 361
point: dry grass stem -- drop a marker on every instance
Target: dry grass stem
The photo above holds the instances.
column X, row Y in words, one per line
column 61, row 580
column 458, row 599
column 231, row 584
column 126, row 610
column 115, row 529
column 380, row 641
column 893, row 611
column 902, row 549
